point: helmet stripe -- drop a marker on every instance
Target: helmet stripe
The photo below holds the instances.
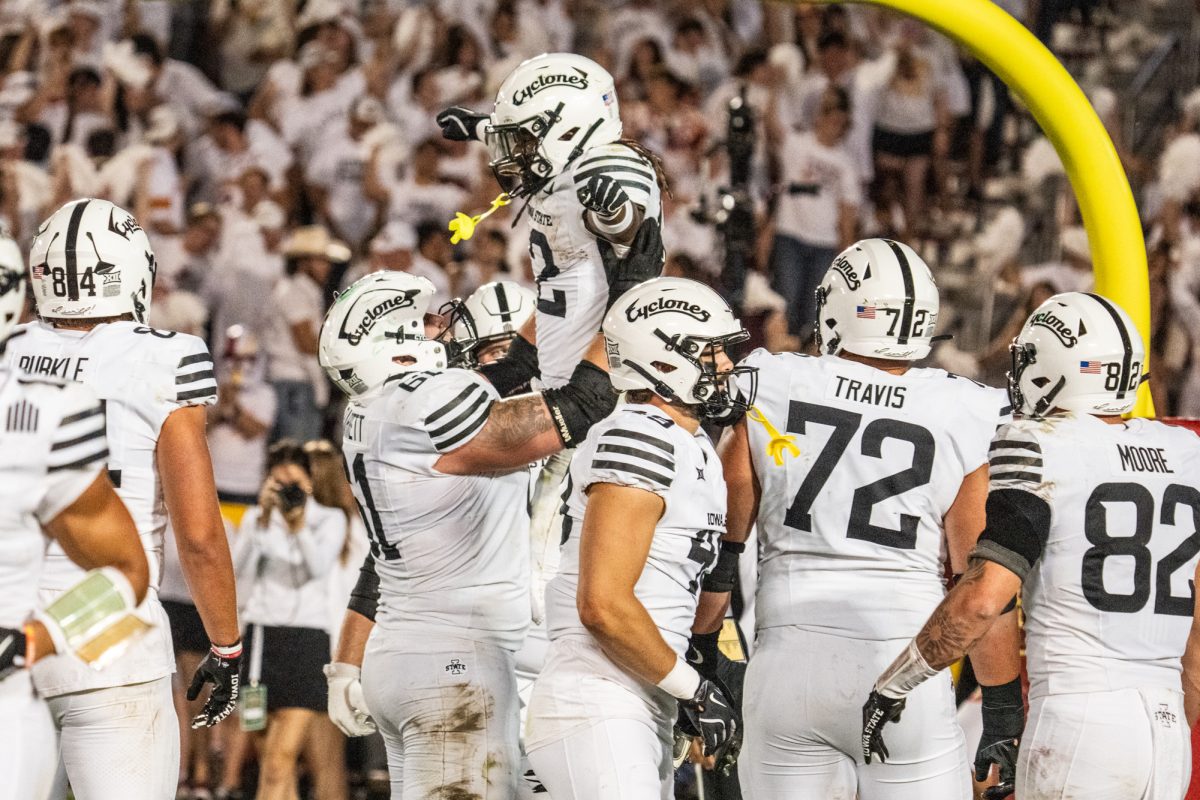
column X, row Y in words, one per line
column 72, row 246
column 1127, row 359
column 502, row 303
column 910, row 292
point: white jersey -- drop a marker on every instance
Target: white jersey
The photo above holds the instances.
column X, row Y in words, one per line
column 642, row 447
column 52, row 447
column 571, row 263
column 141, row 375
column 1109, row 604
column 850, row 520
column 452, row 551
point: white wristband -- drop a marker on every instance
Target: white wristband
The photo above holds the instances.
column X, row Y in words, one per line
column 681, row 682
column 907, row 672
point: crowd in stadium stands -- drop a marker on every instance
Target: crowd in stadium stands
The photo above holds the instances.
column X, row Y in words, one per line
column 275, row 150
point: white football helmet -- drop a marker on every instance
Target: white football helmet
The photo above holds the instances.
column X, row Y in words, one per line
column 656, row 335
column 380, row 318
column 12, row 286
column 878, row 299
column 548, row 111
column 91, row 259
column 494, row 312
column 1079, row 352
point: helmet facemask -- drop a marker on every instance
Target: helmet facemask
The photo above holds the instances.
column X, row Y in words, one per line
column 517, row 158
column 461, row 346
column 710, row 393
column 1024, row 355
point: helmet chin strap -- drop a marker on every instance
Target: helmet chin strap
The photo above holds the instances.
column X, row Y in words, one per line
column 1047, row 400
column 657, row 386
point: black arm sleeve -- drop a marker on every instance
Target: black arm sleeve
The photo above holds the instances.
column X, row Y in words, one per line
column 364, row 598
column 585, row 400
column 1018, row 525
column 514, row 370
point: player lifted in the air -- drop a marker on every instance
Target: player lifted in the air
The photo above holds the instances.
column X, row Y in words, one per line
column 645, row 507
column 53, row 485
column 857, row 466
column 439, row 467
column 1095, row 520
column 93, row 272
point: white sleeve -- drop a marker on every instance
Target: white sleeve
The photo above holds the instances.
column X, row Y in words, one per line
column 78, row 451
column 195, row 383
column 460, row 403
column 628, row 455
column 1015, row 460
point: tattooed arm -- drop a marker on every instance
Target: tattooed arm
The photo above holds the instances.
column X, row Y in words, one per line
column 518, row 432
column 966, row 613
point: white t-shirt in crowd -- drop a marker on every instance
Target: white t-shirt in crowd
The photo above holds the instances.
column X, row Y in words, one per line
column 297, row 298
column 415, row 203
column 239, row 464
column 829, row 172
column 338, row 167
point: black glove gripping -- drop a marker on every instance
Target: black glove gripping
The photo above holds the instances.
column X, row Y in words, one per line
column 514, row 370
column 711, row 716
column 586, row 399
column 603, row 195
column 460, row 124
column 643, row 262
column 877, row 712
column 1003, row 723
column 220, row 668
column 703, row 653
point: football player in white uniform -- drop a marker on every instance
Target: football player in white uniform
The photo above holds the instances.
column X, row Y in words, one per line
column 594, row 201
column 1096, row 519
column 92, row 272
column 644, row 509
column 52, row 457
column 484, row 325
column 439, row 466
column 860, row 470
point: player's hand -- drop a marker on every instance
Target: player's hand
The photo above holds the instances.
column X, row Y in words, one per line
column 1003, row 723
column 877, row 712
column 220, row 668
column 12, row 651
column 460, row 124
column 602, row 195
column 347, row 708
column 711, row 716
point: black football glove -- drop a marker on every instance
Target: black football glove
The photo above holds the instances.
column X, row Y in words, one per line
column 711, row 716
column 603, row 195
column 222, row 672
column 877, row 712
column 12, row 651
column 1003, row 723
column 642, row 262
column 704, row 653
column 460, row 124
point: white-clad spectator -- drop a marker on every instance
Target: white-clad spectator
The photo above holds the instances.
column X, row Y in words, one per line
column 160, row 203
column 240, row 421
column 232, row 145
column 488, row 262
column 295, row 312
column 817, row 209
column 181, row 85
column 186, row 260
column 25, row 188
column 461, row 80
column 326, row 93
column 177, row 310
column 422, row 195
column 548, row 25
column 251, row 35
column 77, row 113
column 695, row 57
column 1073, row 273
column 85, row 19
column 336, row 173
column 395, row 248
column 416, row 99
column 248, row 265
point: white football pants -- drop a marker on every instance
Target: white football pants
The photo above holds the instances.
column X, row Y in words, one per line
column 28, row 741
column 612, row 759
column 121, row 742
column 1122, row 745
column 803, row 701
column 448, row 715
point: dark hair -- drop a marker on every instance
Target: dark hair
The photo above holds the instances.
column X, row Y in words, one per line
column 288, row 451
column 830, row 39
column 235, row 118
column 456, row 37
column 749, row 61
column 689, row 25
column 101, row 143
column 146, row 45
column 37, row 142
column 839, row 96
column 427, row 230
column 81, row 77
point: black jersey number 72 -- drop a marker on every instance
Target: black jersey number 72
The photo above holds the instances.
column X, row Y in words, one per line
column 845, row 424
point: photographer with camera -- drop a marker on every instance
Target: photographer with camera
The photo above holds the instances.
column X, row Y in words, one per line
column 286, row 548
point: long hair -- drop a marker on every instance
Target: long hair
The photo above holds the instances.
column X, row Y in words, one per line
column 660, row 174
